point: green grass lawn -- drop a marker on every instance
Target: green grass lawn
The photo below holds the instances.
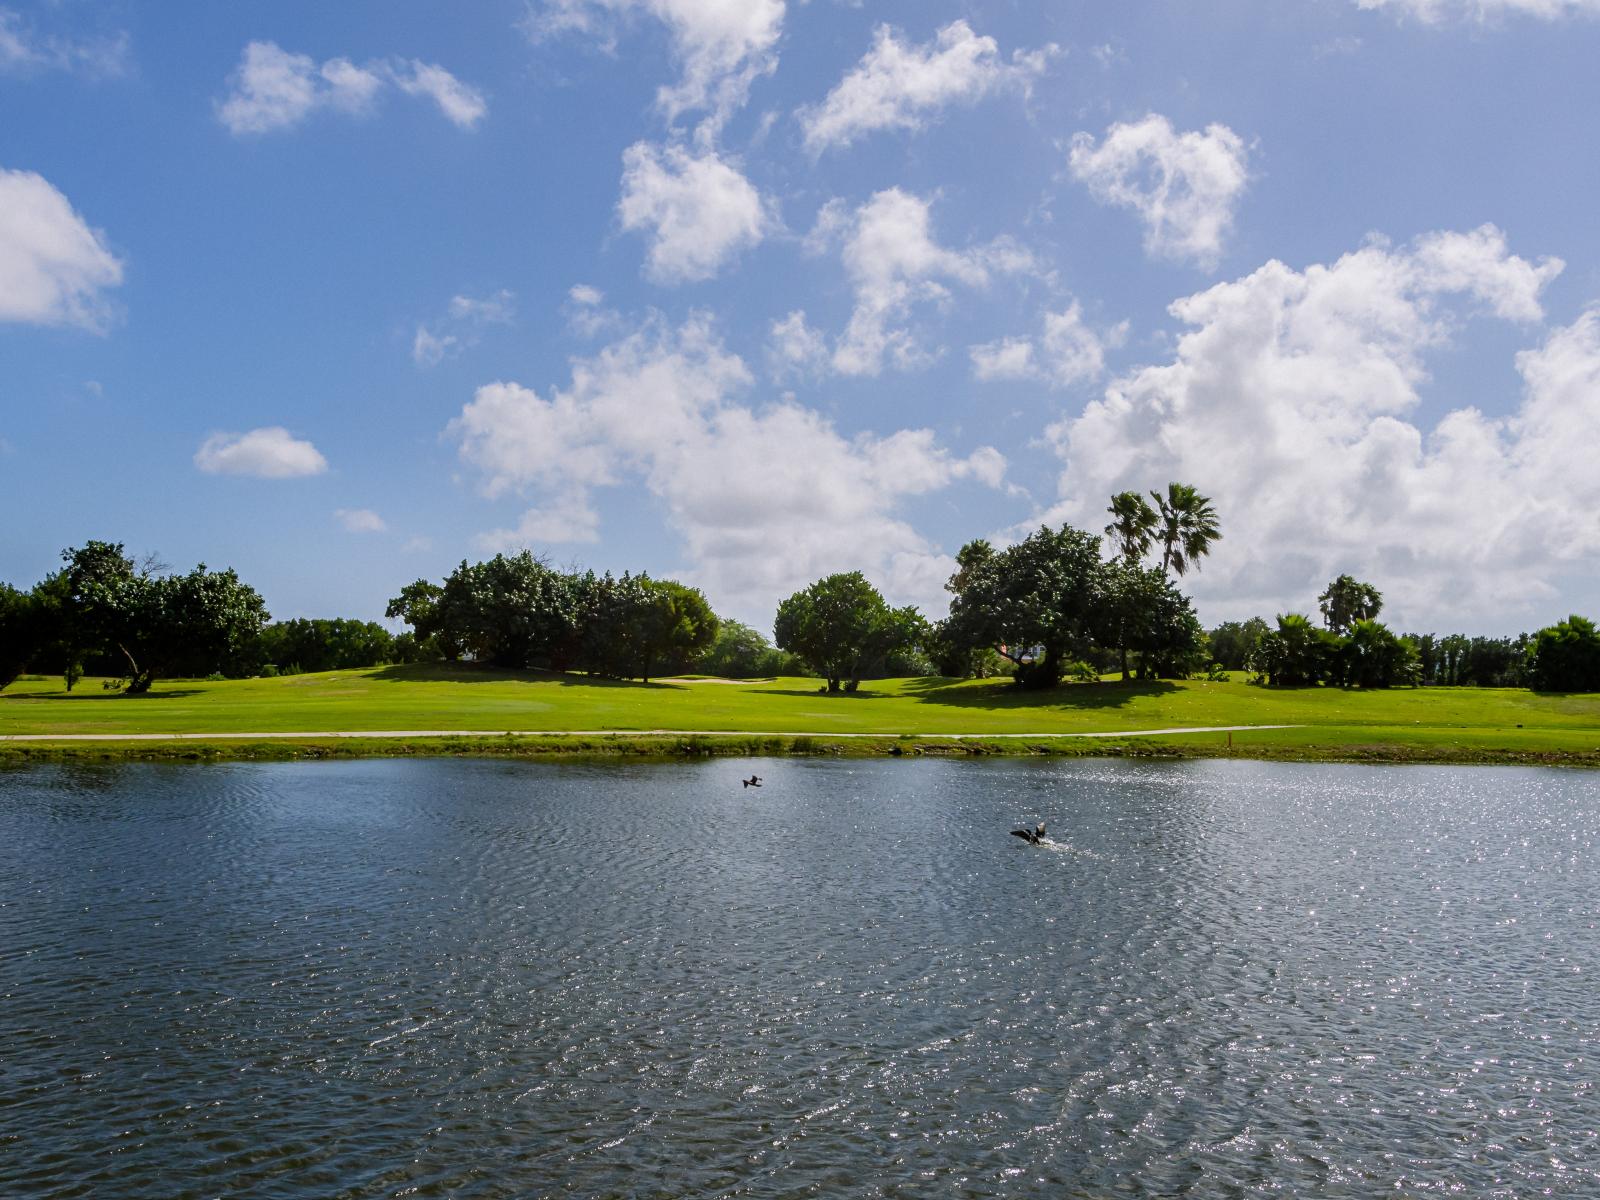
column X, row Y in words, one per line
column 1436, row 723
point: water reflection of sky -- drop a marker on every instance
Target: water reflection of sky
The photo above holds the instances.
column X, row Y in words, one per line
column 1320, row 979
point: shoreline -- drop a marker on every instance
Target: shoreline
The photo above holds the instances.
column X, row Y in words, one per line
column 665, row 745
column 361, row 734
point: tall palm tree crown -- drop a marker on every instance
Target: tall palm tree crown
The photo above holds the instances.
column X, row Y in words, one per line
column 1188, row 526
column 1133, row 525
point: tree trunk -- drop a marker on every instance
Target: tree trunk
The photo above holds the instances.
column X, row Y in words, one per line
column 138, row 681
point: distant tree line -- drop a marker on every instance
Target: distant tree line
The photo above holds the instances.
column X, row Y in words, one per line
column 1351, row 649
column 518, row 611
column 1050, row 606
column 133, row 622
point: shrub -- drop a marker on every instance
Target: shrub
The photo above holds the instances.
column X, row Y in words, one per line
column 1566, row 657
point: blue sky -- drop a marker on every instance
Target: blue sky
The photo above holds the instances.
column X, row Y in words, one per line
column 744, row 292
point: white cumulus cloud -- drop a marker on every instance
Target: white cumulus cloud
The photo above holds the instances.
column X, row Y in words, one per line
column 462, row 326
column 429, row 349
column 698, row 211
column 1290, row 402
column 898, row 85
column 360, row 520
column 1436, row 11
column 894, row 263
column 794, row 348
column 1184, row 186
column 268, row 453
column 461, row 104
column 721, row 46
column 765, row 500
column 54, row 268
column 273, row 89
column 568, row 519
column 1067, row 352
column 25, row 50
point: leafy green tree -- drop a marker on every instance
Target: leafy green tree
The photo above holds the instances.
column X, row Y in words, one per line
column 1144, row 612
column 1295, row 654
column 1187, row 525
column 738, row 652
column 1234, row 642
column 1566, row 657
column 843, row 628
column 675, row 623
column 910, row 661
column 1499, row 662
column 407, row 648
column 62, row 643
column 1373, row 657
column 162, row 624
column 1132, row 529
column 511, row 611
column 1133, row 525
column 418, row 605
column 1347, row 601
column 1036, row 603
column 1459, row 661
column 324, row 645
column 955, row 660
column 610, row 622
column 94, row 572
column 21, row 632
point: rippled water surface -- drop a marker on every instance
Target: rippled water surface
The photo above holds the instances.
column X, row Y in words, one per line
column 478, row 979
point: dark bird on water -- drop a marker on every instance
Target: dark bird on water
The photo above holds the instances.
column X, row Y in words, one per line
column 753, row 781
column 1033, row 837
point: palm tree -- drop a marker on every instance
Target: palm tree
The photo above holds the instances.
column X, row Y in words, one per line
column 1188, row 526
column 1133, row 525
column 1132, row 528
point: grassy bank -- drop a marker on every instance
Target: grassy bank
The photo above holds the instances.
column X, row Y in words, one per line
column 789, row 716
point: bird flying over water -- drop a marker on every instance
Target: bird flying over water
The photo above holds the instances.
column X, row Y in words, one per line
column 1033, row 836
column 753, row 781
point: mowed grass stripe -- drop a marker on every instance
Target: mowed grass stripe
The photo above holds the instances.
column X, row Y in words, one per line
column 449, row 698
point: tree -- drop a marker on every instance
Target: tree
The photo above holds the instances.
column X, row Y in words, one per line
column 675, row 623
column 21, row 632
column 1037, row 603
column 961, row 660
column 94, row 571
column 1187, row 526
column 842, row 628
column 1373, row 657
column 609, row 623
column 1133, row 525
column 161, row 624
column 512, row 611
column 1233, row 642
column 1460, row 661
column 418, row 605
column 1347, row 601
column 738, row 652
column 324, row 645
column 63, row 644
column 1566, row 657
column 1147, row 614
column 1296, row 654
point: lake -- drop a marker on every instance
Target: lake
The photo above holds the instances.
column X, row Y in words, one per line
column 494, row 979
